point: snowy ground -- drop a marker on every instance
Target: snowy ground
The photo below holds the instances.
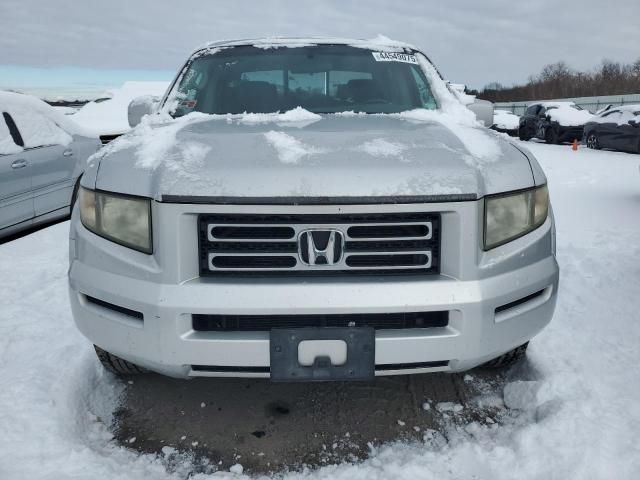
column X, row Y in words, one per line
column 571, row 411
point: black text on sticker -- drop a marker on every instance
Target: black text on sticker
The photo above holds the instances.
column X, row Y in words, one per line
column 394, row 57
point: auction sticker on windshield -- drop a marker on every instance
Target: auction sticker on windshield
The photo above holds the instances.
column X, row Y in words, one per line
column 394, row 57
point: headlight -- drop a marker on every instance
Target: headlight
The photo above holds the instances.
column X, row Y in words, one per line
column 509, row 216
column 120, row 218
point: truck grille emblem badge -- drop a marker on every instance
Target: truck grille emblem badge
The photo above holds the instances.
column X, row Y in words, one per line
column 318, row 247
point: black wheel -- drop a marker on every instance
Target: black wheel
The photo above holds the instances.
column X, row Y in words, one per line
column 522, row 135
column 508, row 359
column 593, row 142
column 117, row 365
column 551, row 136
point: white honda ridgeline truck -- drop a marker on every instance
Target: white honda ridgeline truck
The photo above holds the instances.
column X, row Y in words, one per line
column 310, row 209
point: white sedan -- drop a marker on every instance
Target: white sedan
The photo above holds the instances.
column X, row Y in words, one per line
column 42, row 156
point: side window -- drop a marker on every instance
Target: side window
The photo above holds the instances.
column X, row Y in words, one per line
column 532, row 110
column 37, row 130
column 13, row 130
column 7, row 144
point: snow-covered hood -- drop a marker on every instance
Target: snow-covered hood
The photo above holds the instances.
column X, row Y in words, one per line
column 567, row 115
column 417, row 153
column 505, row 120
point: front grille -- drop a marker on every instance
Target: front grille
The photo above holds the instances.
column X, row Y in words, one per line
column 407, row 242
column 261, row 323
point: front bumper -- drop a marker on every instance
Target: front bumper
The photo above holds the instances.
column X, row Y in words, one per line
column 164, row 341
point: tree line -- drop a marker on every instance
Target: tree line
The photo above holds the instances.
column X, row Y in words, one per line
column 558, row 80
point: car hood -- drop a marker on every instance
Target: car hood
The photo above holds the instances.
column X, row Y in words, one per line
column 357, row 156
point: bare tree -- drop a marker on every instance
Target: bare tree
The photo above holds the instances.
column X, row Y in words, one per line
column 559, row 80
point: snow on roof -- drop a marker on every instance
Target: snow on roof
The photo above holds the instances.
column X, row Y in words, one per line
column 566, row 114
column 379, row 43
column 505, row 119
column 10, row 101
column 554, row 104
column 38, row 123
column 626, row 108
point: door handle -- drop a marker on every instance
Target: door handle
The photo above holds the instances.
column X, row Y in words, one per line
column 67, row 153
column 20, row 163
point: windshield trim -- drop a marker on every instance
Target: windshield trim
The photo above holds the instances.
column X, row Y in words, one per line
column 217, row 48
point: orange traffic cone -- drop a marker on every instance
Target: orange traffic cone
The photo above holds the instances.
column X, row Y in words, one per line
column 574, row 147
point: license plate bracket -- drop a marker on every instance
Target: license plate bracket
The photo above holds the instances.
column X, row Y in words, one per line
column 359, row 365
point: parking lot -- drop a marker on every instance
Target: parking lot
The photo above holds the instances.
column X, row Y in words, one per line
column 76, row 416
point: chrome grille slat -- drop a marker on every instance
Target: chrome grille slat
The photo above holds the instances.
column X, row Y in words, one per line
column 369, row 254
column 344, row 227
column 365, row 254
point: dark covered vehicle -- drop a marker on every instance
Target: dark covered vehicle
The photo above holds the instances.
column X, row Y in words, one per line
column 553, row 122
column 617, row 128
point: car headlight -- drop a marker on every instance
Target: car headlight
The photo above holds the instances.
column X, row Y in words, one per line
column 120, row 218
column 512, row 215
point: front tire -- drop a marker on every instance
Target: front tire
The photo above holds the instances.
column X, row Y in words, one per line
column 551, row 136
column 593, row 142
column 117, row 365
column 508, row 359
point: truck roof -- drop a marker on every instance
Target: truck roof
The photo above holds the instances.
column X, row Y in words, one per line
column 380, row 43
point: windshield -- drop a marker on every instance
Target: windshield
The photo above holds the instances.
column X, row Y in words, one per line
column 321, row 79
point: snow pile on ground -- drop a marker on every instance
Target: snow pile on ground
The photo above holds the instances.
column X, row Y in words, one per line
column 566, row 114
column 573, row 414
column 109, row 117
column 54, row 400
column 505, row 120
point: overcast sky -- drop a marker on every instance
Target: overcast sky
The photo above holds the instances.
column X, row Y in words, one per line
column 471, row 41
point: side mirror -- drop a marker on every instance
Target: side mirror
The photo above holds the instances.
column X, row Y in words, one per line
column 483, row 110
column 139, row 107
